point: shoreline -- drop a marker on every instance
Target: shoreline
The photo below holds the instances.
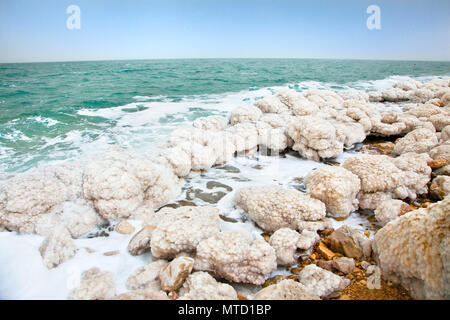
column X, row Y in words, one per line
column 195, row 152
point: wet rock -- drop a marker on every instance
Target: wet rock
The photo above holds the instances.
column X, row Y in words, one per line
column 111, row 253
column 344, row 265
column 124, row 227
column 440, row 187
column 227, row 219
column 216, row 184
column 213, row 197
column 324, row 251
column 140, row 243
column 436, row 164
column 327, row 265
column 276, row 279
column 173, row 274
column 230, row 169
column 339, row 242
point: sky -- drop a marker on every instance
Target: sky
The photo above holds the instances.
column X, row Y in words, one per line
column 36, row 30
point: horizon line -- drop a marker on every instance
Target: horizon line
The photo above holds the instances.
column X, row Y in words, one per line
column 221, row 58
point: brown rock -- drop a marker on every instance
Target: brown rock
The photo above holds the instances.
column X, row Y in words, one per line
column 124, row 227
column 389, row 118
column 437, row 163
column 324, row 251
column 140, row 243
column 327, row 265
column 173, row 274
column 111, row 253
column 275, row 280
column 344, row 265
column 341, row 243
column 326, row 232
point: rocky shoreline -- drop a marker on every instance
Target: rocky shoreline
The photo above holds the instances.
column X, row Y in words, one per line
column 396, row 168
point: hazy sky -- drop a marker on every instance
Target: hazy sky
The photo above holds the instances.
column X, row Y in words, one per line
column 35, row 30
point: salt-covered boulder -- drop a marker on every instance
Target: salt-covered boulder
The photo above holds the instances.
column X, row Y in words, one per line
column 244, row 137
column 289, row 97
column 95, row 285
column 413, row 250
column 290, row 245
column 214, row 123
column 445, row 134
column 273, row 207
column 336, row 187
column 315, row 138
column 390, row 210
column 202, row 286
column 286, row 290
column 320, row 281
column 57, row 248
column 245, row 113
column 234, row 256
column 146, row 277
column 271, row 104
column 418, row 141
column 383, row 178
column 32, row 202
column 181, row 230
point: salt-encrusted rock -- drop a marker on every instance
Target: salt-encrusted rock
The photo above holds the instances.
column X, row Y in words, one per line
column 245, row 113
column 57, row 248
column 445, row 134
column 413, row 250
column 271, row 104
column 273, row 207
column 94, row 285
column 351, row 242
column 290, row 245
column 304, row 107
column 390, row 210
column 140, row 243
column 181, row 230
column 33, row 202
column 289, row 97
column 214, row 123
column 173, row 274
column 418, row 141
column 124, row 227
column 336, row 187
column 320, row 281
column 77, row 216
column 244, row 137
column 315, row 138
column 441, row 120
column 285, row 290
column 142, row 295
column 383, row 178
column 202, row 286
column 146, row 277
column 440, row 187
column 323, row 98
column 233, row 255
column 344, row 264
column 353, row 94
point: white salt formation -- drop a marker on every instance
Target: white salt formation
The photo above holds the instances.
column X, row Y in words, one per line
column 234, row 256
column 202, row 286
column 320, row 281
column 182, row 229
column 273, row 207
column 94, row 285
column 290, row 245
column 286, row 290
column 413, row 250
column 336, row 187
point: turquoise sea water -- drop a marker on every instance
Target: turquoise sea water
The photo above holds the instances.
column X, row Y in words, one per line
column 58, row 111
